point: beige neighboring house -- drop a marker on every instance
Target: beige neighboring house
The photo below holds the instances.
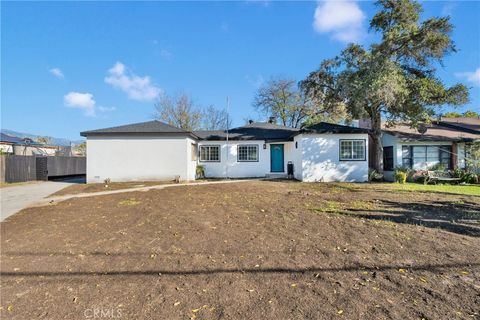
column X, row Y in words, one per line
column 446, row 141
column 28, row 147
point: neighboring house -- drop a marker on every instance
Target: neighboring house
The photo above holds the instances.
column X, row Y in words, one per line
column 446, row 141
column 7, row 142
column 156, row 151
column 27, row 147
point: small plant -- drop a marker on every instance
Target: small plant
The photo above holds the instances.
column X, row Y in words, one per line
column 373, row 175
column 106, row 182
column 437, row 167
column 400, row 176
column 200, row 172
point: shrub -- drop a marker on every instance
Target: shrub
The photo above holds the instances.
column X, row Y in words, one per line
column 200, row 172
column 400, row 176
column 437, row 167
column 373, row 175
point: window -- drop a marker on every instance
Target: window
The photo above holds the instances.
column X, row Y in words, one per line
column 247, row 153
column 424, row 157
column 194, row 152
column 210, row 153
column 388, row 158
column 352, row 150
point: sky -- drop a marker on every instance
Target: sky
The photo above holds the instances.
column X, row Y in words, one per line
column 67, row 67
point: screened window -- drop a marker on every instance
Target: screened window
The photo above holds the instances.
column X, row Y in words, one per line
column 388, row 158
column 247, row 153
column 210, row 153
column 352, row 150
column 424, row 157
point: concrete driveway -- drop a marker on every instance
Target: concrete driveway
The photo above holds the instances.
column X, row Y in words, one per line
column 15, row 198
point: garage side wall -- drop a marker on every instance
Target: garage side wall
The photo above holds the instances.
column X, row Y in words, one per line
column 321, row 159
column 127, row 158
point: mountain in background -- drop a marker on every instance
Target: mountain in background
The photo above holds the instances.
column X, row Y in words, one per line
column 55, row 141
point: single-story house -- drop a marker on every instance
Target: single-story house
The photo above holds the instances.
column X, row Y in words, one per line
column 157, row 151
column 25, row 146
column 446, row 141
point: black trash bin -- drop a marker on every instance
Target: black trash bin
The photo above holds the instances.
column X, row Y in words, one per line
column 290, row 169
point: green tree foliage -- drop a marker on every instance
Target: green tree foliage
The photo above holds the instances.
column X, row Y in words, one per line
column 81, row 148
column 394, row 78
column 466, row 114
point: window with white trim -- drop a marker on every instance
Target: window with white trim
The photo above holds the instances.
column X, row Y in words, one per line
column 247, row 152
column 352, row 150
column 210, row 153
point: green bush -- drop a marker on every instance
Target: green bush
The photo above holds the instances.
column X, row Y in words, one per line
column 400, row 176
column 437, row 167
column 200, row 172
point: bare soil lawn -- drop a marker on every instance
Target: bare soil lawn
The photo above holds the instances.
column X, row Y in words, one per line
column 98, row 187
column 248, row 250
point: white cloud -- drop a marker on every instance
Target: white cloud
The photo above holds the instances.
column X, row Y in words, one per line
column 80, row 100
column 473, row 77
column 137, row 88
column 344, row 19
column 57, row 73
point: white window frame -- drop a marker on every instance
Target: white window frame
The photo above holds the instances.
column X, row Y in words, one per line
column 208, row 147
column 248, row 146
column 352, row 148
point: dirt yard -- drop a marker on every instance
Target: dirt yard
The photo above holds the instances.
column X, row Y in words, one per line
column 249, row 250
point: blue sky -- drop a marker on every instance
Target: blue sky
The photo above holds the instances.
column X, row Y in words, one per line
column 68, row 67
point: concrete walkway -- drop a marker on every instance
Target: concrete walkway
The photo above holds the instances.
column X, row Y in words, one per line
column 50, row 200
column 15, row 198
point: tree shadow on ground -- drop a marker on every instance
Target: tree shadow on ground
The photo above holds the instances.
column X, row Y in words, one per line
column 457, row 217
column 434, row 268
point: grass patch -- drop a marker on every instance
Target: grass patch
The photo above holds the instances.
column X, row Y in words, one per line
column 472, row 190
column 329, row 207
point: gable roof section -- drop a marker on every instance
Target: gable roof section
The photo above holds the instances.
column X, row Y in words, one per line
column 252, row 131
column 325, row 127
column 149, row 127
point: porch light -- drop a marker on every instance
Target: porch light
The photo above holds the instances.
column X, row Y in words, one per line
column 264, row 146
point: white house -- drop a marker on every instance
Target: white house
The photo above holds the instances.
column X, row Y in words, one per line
column 156, row 151
column 446, row 141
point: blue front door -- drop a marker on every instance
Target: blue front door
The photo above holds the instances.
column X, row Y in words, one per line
column 276, row 157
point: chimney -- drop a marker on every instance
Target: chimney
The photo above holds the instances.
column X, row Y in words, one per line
column 250, row 121
column 271, row 120
column 365, row 123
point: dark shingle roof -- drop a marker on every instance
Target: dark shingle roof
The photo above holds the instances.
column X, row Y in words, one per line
column 252, row 131
column 325, row 127
column 470, row 125
column 150, row 127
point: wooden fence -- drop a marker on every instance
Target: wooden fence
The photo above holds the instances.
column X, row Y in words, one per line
column 15, row 168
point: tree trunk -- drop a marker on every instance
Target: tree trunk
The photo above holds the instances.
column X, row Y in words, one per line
column 377, row 142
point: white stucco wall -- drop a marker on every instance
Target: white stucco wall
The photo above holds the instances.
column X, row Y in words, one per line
column 130, row 158
column 321, row 159
column 6, row 148
column 230, row 167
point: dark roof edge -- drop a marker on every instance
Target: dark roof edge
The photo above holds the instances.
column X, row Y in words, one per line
column 94, row 133
column 457, row 127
